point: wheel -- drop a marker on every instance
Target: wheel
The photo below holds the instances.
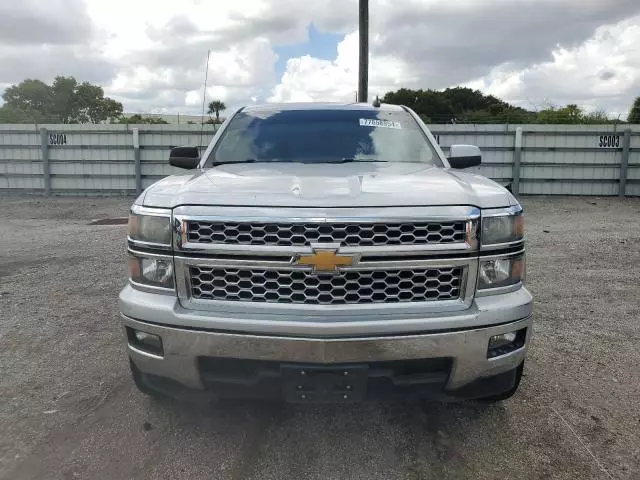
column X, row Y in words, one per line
column 508, row 393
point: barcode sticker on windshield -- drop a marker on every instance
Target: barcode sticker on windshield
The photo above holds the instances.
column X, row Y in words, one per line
column 370, row 122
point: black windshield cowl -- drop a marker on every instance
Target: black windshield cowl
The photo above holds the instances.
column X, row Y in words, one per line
column 248, row 160
column 343, row 160
column 268, row 160
column 359, row 160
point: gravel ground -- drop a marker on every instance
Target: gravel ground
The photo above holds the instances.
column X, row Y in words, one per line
column 69, row 410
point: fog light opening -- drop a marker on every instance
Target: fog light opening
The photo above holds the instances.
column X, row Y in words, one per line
column 506, row 343
column 147, row 342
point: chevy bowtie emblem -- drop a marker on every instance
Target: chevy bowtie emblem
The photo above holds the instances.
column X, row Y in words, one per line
column 325, row 260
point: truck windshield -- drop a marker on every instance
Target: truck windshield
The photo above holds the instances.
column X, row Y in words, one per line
column 323, row 136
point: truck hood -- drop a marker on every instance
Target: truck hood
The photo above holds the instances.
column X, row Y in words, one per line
column 355, row 184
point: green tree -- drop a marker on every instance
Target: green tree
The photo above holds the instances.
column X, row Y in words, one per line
column 570, row 114
column 10, row 114
column 465, row 99
column 549, row 116
column 29, row 95
column 573, row 113
column 424, row 102
column 634, row 113
column 404, row 96
column 64, row 101
column 216, row 106
column 92, row 106
column 458, row 104
column 478, row 116
column 112, row 109
column 139, row 119
column 599, row 117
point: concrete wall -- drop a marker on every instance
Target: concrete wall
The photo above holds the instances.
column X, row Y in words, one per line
column 555, row 159
column 105, row 159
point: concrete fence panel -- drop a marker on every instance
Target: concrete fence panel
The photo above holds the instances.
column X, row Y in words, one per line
column 125, row 159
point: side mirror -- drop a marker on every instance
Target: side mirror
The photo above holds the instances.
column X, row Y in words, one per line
column 464, row 156
column 184, row 157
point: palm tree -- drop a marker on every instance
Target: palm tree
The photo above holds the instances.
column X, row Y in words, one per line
column 216, row 107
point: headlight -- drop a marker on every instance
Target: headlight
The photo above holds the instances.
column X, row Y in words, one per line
column 501, row 272
column 502, row 226
column 150, row 225
column 152, row 271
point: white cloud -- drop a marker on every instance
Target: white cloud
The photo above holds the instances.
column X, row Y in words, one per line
column 150, row 54
column 601, row 74
column 192, row 98
column 312, row 79
column 162, row 45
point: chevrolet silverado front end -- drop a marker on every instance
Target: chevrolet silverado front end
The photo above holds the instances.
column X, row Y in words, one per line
column 326, row 279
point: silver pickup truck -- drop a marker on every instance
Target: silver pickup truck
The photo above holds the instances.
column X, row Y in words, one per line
column 326, row 253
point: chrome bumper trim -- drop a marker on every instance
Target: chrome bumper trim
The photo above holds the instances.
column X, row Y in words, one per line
column 355, row 215
column 325, row 322
column 467, row 348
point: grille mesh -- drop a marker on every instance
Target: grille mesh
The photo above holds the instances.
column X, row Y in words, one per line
column 347, row 234
column 302, row 287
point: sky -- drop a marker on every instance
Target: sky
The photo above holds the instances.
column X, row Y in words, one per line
column 151, row 54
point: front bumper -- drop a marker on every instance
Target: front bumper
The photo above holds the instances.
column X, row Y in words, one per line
column 465, row 351
column 483, row 312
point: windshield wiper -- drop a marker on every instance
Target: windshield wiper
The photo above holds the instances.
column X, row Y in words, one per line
column 248, row 160
column 253, row 160
column 351, row 159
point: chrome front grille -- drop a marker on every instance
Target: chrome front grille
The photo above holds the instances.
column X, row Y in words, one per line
column 306, row 287
column 310, row 261
column 345, row 234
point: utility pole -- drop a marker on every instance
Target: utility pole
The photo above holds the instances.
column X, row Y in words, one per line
column 363, row 64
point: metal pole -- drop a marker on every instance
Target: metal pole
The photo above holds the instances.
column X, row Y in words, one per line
column 46, row 167
column 136, row 159
column 517, row 155
column 624, row 163
column 204, row 98
column 363, row 65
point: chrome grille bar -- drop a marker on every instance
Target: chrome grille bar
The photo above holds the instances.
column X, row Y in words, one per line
column 304, row 287
column 389, row 231
column 346, row 234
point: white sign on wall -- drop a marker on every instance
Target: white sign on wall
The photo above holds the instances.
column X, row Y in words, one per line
column 609, row 141
column 57, row 139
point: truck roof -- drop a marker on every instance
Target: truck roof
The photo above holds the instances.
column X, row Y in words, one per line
column 322, row 106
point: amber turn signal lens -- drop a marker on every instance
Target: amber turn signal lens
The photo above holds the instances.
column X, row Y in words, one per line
column 135, row 271
column 518, row 226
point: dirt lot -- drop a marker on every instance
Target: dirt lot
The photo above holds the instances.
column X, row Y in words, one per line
column 69, row 410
